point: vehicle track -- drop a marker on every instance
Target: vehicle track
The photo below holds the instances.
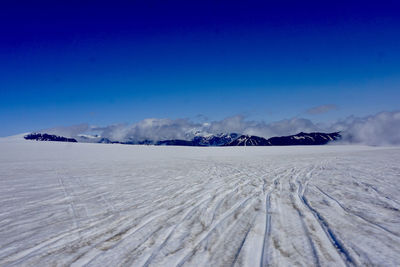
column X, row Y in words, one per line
column 348, row 259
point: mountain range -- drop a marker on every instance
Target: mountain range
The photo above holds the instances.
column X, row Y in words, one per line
column 231, row 139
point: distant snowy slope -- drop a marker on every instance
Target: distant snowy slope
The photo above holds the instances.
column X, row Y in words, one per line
column 14, row 138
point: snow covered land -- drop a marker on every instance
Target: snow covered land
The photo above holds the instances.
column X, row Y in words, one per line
column 119, row 205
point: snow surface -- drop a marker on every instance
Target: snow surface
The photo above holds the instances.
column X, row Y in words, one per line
column 119, row 205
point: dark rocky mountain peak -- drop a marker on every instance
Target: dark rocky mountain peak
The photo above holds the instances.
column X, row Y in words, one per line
column 48, row 137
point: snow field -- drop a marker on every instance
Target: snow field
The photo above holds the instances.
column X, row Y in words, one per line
column 101, row 205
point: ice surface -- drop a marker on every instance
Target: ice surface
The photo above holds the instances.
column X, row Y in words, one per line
column 118, row 205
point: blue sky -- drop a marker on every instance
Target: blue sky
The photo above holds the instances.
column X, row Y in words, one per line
column 65, row 63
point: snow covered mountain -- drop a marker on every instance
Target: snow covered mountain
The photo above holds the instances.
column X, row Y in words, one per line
column 291, row 140
column 208, row 140
column 234, row 139
column 249, row 140
column 231, row 139
column 215, row 140
column 305, row 139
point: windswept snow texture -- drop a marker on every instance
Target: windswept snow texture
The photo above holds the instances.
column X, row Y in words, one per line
column 101, row 205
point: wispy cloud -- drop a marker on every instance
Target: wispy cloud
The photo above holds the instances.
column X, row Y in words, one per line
column 321, row 109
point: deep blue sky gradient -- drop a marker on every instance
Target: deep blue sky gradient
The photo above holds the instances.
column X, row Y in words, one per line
column 103, row 63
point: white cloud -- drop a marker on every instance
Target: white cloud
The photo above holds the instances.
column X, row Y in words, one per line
column 151, row 129
column 379, row 129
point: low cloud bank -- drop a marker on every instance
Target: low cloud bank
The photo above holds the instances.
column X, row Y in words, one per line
column 380, row 129
column 164, row 129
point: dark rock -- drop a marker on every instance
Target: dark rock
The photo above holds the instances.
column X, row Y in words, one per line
column 48, row 137
column 175, row 142
column 305, row 139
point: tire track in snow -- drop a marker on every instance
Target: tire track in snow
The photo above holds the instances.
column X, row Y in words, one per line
column 23, row 255
column 300, row 214
column 212, row 229
column 241, row 245
column 70, row 201
column 162, row 245
column 128, row 233
column 348, row 211
column 220, row 190
column 343, row 252
column 124, row 234
column 267, row 232
column 212, row 198
column 264, row 260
